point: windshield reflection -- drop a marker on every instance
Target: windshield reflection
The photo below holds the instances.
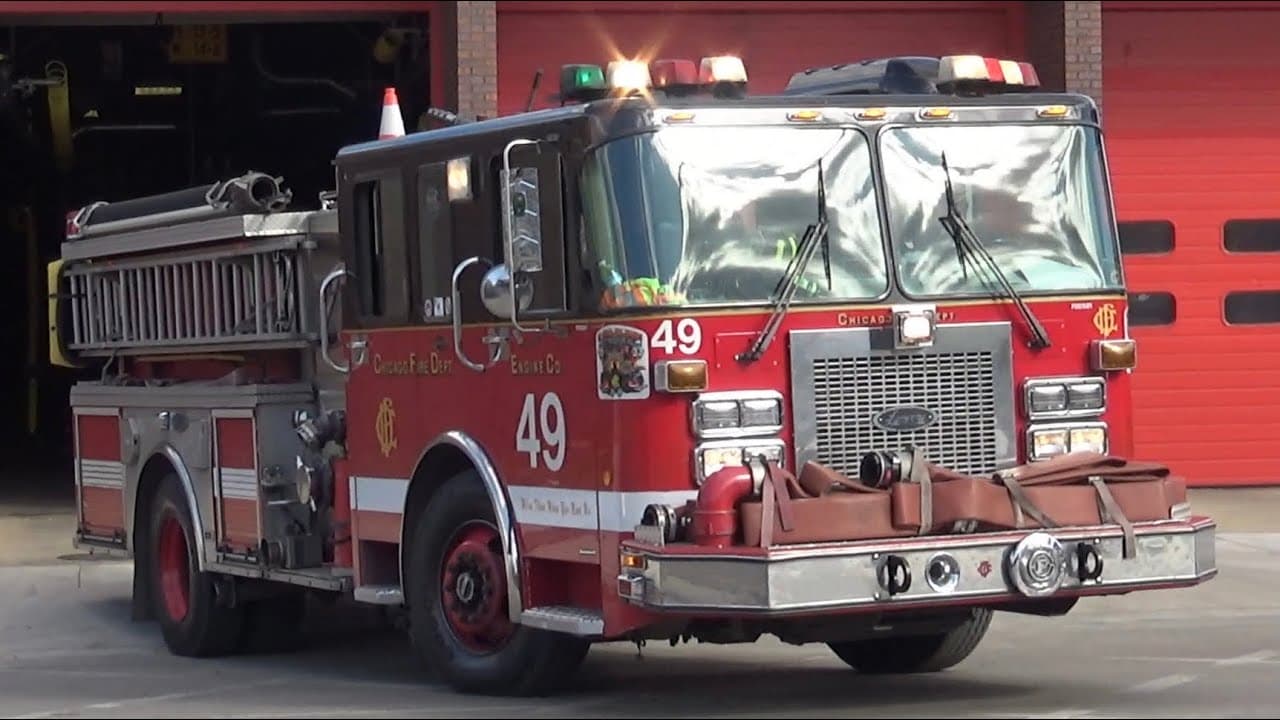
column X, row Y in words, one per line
column 1034, row 195
column 713, row 215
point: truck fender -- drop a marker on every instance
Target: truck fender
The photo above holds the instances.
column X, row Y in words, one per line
column 422, row 482
column 166, row 454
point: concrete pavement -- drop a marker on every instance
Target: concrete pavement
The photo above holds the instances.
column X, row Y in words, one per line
column 68, row 649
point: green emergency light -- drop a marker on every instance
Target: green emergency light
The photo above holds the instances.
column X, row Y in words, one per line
column 582, row 82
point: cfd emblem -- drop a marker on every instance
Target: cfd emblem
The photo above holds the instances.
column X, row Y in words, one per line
column 385, row 427
column 1106, row 320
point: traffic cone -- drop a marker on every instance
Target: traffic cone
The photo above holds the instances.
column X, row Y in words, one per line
column 392, row 120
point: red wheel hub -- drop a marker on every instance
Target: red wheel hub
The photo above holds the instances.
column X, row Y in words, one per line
column 474, row 588
column 175, row 573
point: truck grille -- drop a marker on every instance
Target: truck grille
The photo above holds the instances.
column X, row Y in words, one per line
column 843, row 379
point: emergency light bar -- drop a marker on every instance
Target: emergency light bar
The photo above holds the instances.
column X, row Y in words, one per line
column 916, row 75
column 722, row 75
column 975, row 72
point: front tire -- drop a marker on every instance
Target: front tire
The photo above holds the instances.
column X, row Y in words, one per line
column 193, row 617
column 916, row 653
column 458, row 611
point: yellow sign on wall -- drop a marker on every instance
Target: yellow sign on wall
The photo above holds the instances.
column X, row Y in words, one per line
column 198, row 44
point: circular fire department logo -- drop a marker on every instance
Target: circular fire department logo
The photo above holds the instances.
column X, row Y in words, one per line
column 385, row 427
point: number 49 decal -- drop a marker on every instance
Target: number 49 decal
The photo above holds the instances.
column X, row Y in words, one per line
column 543, row 435
column 685, row 335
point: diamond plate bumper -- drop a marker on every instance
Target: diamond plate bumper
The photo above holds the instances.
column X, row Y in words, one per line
column 882, row 575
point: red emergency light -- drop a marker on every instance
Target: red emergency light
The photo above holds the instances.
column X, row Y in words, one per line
column 675, row 77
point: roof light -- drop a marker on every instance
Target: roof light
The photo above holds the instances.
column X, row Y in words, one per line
column 958, row 68
column 935, row 113
column 804, row 116
column 971, row 72
column 1011, row 71
column 581, row 82
column 674, row 73
column 722, row 68
column 1030, row 80
column 679, row 117
column 871, row 114
column 629, row 76
column 1052, row 111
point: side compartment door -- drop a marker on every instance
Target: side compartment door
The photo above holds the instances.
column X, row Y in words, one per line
column 100, row 475
column 383, row 414
column 237, row 510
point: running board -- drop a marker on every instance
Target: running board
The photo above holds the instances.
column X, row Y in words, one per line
column 379, row 594
column 557, row 618
column 561, row 618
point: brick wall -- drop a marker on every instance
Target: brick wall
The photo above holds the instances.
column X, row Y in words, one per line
column 1082, row 47
column 477, row 23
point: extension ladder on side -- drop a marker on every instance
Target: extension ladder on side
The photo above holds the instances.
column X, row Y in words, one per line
column 226, row 269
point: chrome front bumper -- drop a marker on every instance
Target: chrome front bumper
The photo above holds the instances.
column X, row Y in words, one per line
column 918, row 571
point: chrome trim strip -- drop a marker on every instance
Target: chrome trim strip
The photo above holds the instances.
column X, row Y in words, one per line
column 188, row 489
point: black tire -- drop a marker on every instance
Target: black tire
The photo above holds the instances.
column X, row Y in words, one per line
column 194, row 620
column 916, row 653
column 530, row 661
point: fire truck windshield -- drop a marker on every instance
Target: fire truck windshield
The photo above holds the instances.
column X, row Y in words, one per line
column 706, row 215
column 1035, row 194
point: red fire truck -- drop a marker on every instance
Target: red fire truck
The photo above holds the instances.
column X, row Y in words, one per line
column 844, row 364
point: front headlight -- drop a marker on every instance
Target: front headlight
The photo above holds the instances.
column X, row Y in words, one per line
column 1065, row 397
column 737, row 414
column 713, row 456
column 1046, row 441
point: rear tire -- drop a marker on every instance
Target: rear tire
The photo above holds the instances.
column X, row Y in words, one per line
column 194, row 620
column 457, row 595
column 916, row 653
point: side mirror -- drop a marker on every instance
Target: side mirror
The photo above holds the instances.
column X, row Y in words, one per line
column 497, row 293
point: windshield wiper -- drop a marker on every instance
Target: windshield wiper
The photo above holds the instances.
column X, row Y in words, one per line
column 967, row 243
column 786, row 288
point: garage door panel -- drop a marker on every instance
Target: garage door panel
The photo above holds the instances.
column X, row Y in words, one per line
column 1192, row 135
column 773, row 45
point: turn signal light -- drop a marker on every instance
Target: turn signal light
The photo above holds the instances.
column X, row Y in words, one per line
column 1113, row 354
column 680, row 376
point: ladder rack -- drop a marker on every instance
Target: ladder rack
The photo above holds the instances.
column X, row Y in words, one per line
column 238, row 282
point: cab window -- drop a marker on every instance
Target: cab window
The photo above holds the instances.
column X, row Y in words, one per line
column 381, row 253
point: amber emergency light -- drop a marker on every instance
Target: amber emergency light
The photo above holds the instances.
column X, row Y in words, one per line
column 1119, row 354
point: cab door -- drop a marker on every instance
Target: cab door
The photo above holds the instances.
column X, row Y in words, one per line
column 546, row 414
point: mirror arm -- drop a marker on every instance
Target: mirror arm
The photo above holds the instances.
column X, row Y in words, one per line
column 457, row 316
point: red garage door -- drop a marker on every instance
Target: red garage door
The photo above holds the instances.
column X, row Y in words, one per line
column 775, row 39
column 1192, row 115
